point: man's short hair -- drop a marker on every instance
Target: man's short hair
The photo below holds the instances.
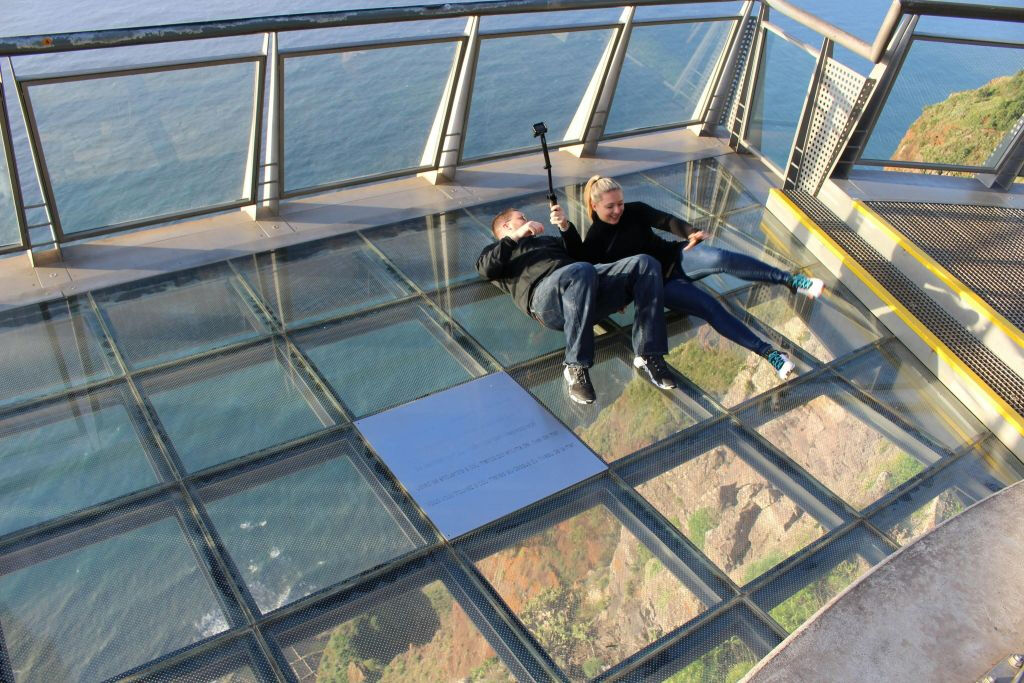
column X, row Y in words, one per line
column 505, row 215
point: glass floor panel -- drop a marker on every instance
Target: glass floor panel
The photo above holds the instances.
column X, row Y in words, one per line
column 170, row 318
column 434, row 251
column 534, row 206
column 985, row 469
column 311, row 282
column 703, row 183
column 48, row 348
column 629, row 412
column 200, row 406
column 404, row 632
column 847, row 446
column 69, row 454
column 407, row 348
column 491, row 317
column 282, row 551
column 769, row 238
column 141, row 589
column 896, row 379
column 743, row 522
column 589, row 591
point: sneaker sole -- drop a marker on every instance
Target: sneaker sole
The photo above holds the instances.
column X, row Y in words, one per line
column 642, row 371
column 580, row 401
column 812, row 293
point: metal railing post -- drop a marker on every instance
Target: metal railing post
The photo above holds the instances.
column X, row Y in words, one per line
column 739, row 123
column 796, row 151
column 451, row 138
column 267, row 194
column 1009, row 167
column 728, row 80
column 589, row 122
column 12, row 167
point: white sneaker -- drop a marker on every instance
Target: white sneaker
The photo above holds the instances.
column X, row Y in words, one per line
column 811, row 287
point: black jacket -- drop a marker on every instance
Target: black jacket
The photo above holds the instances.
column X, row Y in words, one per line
column 517, row 267
column 633, row 235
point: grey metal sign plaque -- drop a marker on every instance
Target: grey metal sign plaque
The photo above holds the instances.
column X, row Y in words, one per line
column 476, row 452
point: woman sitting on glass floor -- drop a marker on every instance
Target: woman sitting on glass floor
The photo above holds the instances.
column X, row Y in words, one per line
column 622, row 229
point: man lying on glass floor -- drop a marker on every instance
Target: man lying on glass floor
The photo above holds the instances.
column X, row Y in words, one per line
column 558, row 291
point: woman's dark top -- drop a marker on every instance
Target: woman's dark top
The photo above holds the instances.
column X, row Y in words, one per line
column 633, row 235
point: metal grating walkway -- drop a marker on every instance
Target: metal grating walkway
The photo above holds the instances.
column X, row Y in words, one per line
column 966, row 346
column 982, row 246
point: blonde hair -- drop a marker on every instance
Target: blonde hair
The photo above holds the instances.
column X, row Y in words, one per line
column 595, row 187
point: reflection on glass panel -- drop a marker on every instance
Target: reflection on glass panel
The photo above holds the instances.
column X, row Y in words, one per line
column 127, row 148
column 736, row 517
column 513, row 22
column 360, row 35
column 141, row 595
column 834, row 441
column 629, row 412
column 951, row 104
column 49, row 347
column 308, row 283
column 492, row 318
column 221, row 409
column 665, row 74
column 726, row 371
column 894, row 377
column 988, row 468
column 511, row 92
column 782, row 80
column 792, row 598
column 434, row 251
column 358, row 113
column 827, row 327
column 408, row 635
column 283, row 552
column 589, row 591
column 9, row 232
column 704, row 183
column 386, row 358
column 73, row 453
column 162, row 320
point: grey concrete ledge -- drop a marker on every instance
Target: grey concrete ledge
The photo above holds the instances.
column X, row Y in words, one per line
column 947, row 607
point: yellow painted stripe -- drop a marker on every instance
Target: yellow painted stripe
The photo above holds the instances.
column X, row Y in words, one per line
column 976, row 303
column 943, row 351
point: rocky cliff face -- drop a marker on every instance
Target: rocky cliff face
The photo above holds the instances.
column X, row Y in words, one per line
column 967, row 126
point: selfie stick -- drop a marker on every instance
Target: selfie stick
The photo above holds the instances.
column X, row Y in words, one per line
column 539, row 129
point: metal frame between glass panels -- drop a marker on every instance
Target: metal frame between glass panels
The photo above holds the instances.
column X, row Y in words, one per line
column 24, row 85
column 12, row 176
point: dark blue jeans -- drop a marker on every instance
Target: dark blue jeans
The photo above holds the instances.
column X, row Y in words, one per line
column 683, row 296
column 575, row 296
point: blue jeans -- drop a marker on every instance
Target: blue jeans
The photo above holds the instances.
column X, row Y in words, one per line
column 683, row 296
column 576, row 296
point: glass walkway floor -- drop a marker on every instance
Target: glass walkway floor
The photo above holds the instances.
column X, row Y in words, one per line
column 186, row 495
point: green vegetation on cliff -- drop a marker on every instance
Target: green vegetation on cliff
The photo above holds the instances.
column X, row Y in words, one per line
column 809, row 599
column 967, row 126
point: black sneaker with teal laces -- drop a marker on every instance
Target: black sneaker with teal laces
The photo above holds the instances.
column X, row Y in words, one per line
column 577, row 383
column 655, row 370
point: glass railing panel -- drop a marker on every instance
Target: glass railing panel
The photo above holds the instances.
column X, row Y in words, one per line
column 549, row 20
column 491, row 317
column 386, row 358
column 782, row 79
column 164, row 319
column 668, row 12
column 284, row 553
column 201, row 405
column 985, row 469
column 69, row 454
column 894, row 377
column 792, row 598
column 406, row 631
column 827, row 327
column 10, row 233
column 665, row 73
column 360, row 113
column 307, row 283
column 434, row 251
column 740, row 519
column 141, row 593
column 358, row 35
column 629, row 413
column 526, row 79
column 951, row 104
column 847, row 446
column 589, row 590
column 48, row 348
column 128, row 148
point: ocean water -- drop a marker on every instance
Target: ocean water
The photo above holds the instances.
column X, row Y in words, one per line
column 129, row 148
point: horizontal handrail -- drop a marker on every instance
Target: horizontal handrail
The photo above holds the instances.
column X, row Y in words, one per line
column 87, row 40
